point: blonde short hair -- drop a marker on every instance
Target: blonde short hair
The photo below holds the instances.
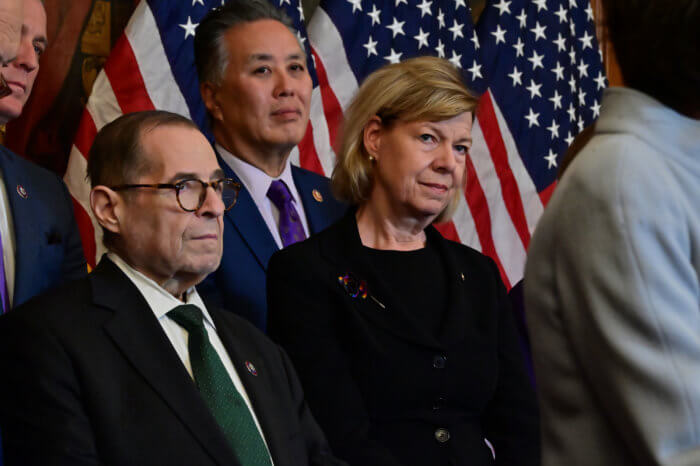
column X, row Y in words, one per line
column 418, row 89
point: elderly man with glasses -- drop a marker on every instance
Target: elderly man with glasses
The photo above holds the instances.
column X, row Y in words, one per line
column 130, row 365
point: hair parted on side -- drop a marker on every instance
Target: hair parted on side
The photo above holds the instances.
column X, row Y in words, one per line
column 657, row 44
column 418, row 89
column 116, row 157
column 210, row 52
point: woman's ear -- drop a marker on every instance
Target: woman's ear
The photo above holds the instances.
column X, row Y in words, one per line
column 106, row 205
column 372, row 135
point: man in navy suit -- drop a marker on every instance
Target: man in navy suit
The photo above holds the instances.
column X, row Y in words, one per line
column 257, row 90
column 40, row 241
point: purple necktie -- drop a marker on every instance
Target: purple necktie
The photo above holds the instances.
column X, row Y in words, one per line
column 291, row 229
column 3, row 283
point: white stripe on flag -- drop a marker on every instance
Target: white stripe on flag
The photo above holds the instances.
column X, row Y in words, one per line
column 322, row 138
column 142, row 33
column 464, row 224
column 532, row 204
column 328, row 44
column 103, row 105
column 505, row 237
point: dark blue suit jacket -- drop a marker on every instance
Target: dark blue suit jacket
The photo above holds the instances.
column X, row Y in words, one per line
column 48, row 250
column 239, row 283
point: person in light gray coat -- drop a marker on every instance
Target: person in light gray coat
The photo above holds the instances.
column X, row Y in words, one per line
column 611, row 282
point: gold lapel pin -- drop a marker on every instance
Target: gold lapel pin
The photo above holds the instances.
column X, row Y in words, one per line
column 461, row 275
column 317, row 195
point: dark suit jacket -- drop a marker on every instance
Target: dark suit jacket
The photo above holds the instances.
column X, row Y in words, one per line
column 385, row 391
column 239, row 283
column 48, row 248
column 89, row 377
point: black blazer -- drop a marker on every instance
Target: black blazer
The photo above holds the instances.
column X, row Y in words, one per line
column 384, row 390
column 89, row 377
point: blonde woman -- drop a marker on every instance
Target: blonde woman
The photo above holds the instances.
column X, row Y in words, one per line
column 403, row 340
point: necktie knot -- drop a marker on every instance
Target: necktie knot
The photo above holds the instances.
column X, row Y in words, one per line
column 279, row 194
column 188, row 316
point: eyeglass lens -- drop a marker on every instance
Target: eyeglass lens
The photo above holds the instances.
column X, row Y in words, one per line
column 193, row 192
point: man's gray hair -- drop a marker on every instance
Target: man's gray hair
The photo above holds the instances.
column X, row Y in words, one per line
column 210, row 51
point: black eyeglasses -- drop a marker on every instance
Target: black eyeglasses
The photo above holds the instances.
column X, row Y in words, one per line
column 191, row 193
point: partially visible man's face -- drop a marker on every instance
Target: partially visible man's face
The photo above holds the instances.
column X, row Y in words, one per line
column 262, row 102
column 21, row 73
column 156, row 236
column 10, row 25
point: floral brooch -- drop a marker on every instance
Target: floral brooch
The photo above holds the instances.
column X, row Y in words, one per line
column 356, row 288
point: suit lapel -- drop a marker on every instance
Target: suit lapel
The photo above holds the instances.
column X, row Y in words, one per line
column 24, row 211
column 245, row 218
column 136, row 331
column 256, row 386
column 313, row 198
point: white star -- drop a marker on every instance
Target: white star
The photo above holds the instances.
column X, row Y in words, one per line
column 374, row 14
column 475, row 70
column 572, row 4
column 522, row 17
column 600, row 80
column 559, row 71
column 396, row 28
column 582, row 69
column 516, row 76
column 455, row 59
column 561, row 43
column 475, row 40
column 595, row 108
column 541, row 4
column 518, row 46
column 572, row 26
column 459, row 3
column 580, row 124
column 189, row 27
column 536, row 60
column 282, row 2
column 554, row 129
column 440, row 49
column 539, row 31
column 534, row 89
column 393, row 57
column 532, row 118
column 356, row 5
column 572, row 55
column 551, row 159
column 586, row 40
column 556, row 100
column 301, row 39
column 441, row 19
column 572, row 112
column 424, row 7
column 561, row 13
column 581, row 97
column 300, row 9
column 422, row 38
column 572, row 84
column 194, row 2
column 569, row 138
column 499, row 34
column 456, row 30
column 371, row 47
column 399, row 2
column 503, row 7
column 589, row 12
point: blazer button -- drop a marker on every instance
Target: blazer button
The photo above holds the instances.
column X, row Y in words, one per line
column 440, row 361
column 442, row 435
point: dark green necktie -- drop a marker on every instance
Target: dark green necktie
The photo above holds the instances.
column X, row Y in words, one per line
column 218, row 391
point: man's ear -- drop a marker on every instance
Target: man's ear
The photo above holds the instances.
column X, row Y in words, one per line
column 372, row 135
column 208, row 92
column 106, row 206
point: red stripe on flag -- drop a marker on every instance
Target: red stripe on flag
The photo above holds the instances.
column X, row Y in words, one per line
column 331, row 107
column 447, row 230
column 87, row 233
column 125, row 77
column 499, row 155
column 547, row 192
column 308, row 158
column 86, row 133
column 476, row 200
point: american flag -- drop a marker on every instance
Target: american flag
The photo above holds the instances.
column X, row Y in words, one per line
column 535, row 61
